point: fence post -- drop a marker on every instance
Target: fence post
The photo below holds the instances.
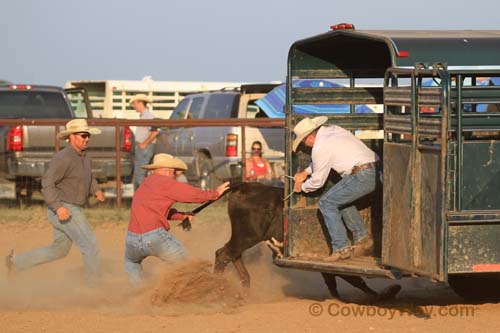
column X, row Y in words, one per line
column 57, row 144
column 118, row 167
column 243, row 153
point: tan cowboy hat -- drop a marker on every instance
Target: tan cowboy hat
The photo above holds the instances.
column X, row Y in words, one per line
column 166, row 161
column 77, row 126
column 140, row 97
column 305, row 127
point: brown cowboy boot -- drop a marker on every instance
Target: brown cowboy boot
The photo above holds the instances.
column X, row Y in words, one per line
column 363, row 246
column 340, row 254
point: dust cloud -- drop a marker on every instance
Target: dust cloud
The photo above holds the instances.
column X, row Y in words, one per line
column 60, row 284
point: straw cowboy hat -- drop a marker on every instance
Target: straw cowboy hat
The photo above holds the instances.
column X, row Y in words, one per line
column 140, row 97
column 166, row 161
column 305, row 127
column 77, row 126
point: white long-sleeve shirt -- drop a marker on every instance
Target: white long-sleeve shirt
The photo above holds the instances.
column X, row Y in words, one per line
column 338, row 149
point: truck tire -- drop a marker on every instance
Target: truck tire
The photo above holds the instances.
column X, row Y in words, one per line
column 476, row 287
column 205, row 172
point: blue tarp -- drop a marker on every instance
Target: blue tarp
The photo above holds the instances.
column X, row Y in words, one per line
column 274, row 102
column 484, row 81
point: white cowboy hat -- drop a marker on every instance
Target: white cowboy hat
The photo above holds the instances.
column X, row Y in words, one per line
column 140, row 97
column 77, row 126
column 166, row 161
column 305, row 127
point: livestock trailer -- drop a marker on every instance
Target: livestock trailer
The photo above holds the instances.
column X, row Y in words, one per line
column 437, row 212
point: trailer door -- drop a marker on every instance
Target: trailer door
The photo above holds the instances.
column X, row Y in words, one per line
column 415, row 149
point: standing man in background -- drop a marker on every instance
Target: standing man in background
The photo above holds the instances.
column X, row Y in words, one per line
column 66, row 186
column 144, row 138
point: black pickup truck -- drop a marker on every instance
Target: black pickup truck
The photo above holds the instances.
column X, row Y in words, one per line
column 26, row 150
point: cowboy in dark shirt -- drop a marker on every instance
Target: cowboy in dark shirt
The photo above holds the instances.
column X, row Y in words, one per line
column 66, row 186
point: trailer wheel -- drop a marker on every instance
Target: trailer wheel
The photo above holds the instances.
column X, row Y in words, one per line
column 475, row 287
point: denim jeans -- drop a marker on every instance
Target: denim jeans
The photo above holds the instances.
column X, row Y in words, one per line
column 76, row 229
column 334, row 206
column 159, row 243
column 142, row 157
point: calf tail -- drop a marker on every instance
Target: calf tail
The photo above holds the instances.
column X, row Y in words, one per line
column 233, row 186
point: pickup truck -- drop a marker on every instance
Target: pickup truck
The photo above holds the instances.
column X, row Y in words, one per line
column 25, row 151
column 213, row 154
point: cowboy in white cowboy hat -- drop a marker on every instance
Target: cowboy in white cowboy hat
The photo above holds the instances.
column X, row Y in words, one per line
column 148, row 229
column 333, row 147
column 140, row 97
column 166, row 161
column 144, row 137
column 77, row 126
column 66, row 186
column 305, row 127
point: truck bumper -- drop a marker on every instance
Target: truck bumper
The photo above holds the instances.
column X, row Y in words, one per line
column 103, row 170
column 25, row 167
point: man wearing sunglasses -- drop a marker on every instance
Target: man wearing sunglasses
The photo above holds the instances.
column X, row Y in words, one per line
column 66, row 186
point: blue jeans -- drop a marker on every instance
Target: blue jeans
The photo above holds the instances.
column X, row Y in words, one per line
column 76, row 229
column 334, row 205
column 159, row 243
column 142, row 157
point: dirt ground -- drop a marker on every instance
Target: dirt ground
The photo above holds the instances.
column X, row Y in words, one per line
column 189, row 298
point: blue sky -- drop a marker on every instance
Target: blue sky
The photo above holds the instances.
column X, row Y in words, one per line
column 53, row 41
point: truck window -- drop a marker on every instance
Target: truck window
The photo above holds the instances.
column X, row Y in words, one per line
column 77, row 101
column 181, row 109
column 252, row 111
column 32, row 104
column 195, row 109
column 188, row 108
column 219, row 106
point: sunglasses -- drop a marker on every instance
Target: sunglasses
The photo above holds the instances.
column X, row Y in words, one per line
column 253, row 148
column 83, row 135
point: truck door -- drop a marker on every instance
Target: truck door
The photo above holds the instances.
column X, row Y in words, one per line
column 80, row 102
column 414, row 174
column 184, row 138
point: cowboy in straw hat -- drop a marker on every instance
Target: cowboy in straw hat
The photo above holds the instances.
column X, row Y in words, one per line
column 66, row 186
column 148, row 229
column 166, row 161
column 305, row 127
column 333, row 147
column 77, row 126
column 140, row 97
column 144, row 137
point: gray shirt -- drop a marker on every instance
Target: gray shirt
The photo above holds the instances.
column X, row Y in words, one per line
column 142, row 132
column 69, row 178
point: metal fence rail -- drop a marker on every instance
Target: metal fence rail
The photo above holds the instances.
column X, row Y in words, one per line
column 119, row 124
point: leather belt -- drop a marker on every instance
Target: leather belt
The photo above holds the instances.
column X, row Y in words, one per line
column 358, row 168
